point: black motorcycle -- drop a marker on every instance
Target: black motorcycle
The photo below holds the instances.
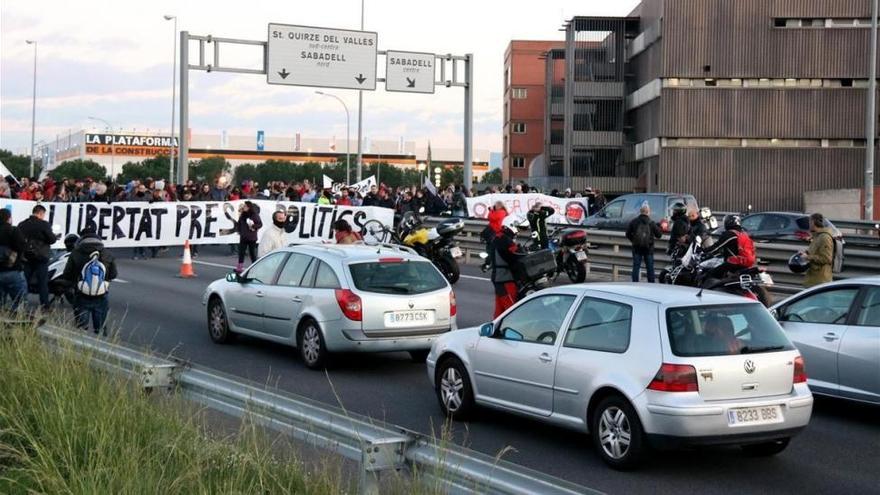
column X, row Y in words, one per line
column 571, row 252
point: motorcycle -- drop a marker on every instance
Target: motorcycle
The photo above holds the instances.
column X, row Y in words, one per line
column 571, row 252
column 437, row 244
column 534, row 274
column 694, row 270
column 59, row 289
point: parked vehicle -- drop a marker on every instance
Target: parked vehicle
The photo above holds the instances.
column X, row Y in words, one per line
column 782, row 226
column 696, row 368
column 571, row 251
column 436, row 244
column 617, row 214
column 695, row 270
column 338, row 298
column 836, row 327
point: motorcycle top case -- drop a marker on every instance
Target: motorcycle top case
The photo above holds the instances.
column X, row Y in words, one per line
column 450, row 226
column 538, row 264
column 573, row 237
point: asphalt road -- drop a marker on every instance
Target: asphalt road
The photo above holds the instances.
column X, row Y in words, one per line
column 839, row 452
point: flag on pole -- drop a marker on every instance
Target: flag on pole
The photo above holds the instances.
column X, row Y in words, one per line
column 328, row 182
column 430, row 186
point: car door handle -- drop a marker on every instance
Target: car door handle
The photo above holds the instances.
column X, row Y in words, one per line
column 296, row 299
column 260, row 294
column 545, row 358
column 830, row 336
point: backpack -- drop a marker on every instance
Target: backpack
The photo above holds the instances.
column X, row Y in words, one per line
column 837, row 258
column 746, row 255
column 92, row 281
column 8, row 257
column 32, row 250
column 642, row 236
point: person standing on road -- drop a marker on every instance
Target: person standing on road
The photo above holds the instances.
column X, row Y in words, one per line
column 641, row 233
column 820, row 253
column 247, row 226
column 504, row 263
column 537, row 217
column 38, row 237
column 12, row 282
column 273, row 237
column 90, row 269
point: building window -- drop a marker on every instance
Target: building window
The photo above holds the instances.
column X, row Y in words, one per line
column 519, row 127
column 520, row 93
column 518, row 162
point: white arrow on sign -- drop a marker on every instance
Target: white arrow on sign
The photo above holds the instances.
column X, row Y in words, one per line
column 409, row 72
column 321, row 57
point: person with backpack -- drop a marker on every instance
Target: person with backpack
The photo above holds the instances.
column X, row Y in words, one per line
column 734, row 246
column 38, row 237
column 90, row 269
column 821, row 253
column 641, row 232
column 13, row 286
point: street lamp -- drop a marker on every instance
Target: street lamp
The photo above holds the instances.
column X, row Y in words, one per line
column 173, row 97
column 347, row 135
column 33, row 104
column 421, row 167
column 112, row 144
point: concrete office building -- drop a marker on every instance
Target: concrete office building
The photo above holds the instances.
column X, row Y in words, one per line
column 752, row 102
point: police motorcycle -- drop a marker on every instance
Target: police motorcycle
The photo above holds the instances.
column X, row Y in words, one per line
column 436, row 243
column 694, row 269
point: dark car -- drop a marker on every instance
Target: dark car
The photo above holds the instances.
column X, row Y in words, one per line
column 782, row 226
column 617, row 214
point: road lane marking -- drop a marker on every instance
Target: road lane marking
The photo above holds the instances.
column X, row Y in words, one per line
column 475, row 278
column 120, row 281
column 208, row 263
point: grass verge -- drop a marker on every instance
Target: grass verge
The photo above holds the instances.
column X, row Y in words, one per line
column 67, row 428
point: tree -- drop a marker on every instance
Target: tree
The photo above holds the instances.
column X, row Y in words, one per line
column 155, row 168
column 208, row 169
column 492, row 177
column 451, row 175
column 78, row 169
column 243, row 172
column 19, row 165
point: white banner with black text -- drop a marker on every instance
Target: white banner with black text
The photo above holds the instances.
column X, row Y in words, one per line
column 570, row 211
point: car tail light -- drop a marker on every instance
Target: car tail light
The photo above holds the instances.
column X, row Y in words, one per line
column 664, row 225
column 802, row 235
column 675, row 378
column 800, row 371
column 350, row 304
column 453, row 308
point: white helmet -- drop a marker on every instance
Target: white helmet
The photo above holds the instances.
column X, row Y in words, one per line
column 511, row 223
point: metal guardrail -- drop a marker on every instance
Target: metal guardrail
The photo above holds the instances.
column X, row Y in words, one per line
column 610, row 253
column 377, row 447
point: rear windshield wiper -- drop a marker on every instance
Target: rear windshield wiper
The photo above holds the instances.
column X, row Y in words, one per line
column 752, row 350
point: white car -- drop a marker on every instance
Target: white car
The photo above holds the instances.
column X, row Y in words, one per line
column 635, row 365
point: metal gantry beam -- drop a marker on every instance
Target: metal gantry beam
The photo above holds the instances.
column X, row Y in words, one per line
column 211, row 44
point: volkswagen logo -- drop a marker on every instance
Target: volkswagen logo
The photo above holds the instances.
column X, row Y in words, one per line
column 411, row 304
column 749, row 366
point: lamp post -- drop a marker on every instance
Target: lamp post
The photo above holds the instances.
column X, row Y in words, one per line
column 112, row 145
column 360, row 116
column 33, row 104
column 173, row 97
column 347, row 136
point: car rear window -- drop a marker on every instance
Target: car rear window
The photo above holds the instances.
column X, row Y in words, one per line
column 803, row 223
column 397, row 277
column 723, row 330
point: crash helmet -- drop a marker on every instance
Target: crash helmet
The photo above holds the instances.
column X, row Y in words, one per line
column 679, row 210
column 511, row 223
column 798, row 263
column 732, row 222
column 70, row 241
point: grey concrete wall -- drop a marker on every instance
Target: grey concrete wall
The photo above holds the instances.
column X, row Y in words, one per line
column 843, row 204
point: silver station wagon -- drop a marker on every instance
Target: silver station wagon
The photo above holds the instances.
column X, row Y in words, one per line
column 339, row 298
column 634, row 365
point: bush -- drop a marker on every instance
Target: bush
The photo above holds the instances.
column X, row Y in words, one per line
column 20, row 165
column 208, row 169
column 78, row 169
column 156, row 168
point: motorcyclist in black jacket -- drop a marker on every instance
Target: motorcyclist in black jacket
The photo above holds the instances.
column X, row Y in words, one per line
column 537, row 217
column 680, row 231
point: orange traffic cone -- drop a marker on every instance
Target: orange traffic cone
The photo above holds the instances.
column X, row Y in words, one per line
column 186, row 269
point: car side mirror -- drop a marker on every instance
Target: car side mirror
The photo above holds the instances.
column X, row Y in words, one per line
column 487, row 329
column 775, row 314
column 235, row 277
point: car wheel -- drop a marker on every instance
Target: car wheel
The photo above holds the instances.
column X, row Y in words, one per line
column 575, row 270
column 310, row 344
column 617, row 433
column 419, row 356
column 218, row 323
column 766, row 449
column 454, row 389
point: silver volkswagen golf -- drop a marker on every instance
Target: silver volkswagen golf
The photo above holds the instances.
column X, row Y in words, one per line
column 326, row 299
column 634, row 365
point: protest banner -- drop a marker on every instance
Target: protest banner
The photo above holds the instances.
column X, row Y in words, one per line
column 571, row 211
column 131, row 224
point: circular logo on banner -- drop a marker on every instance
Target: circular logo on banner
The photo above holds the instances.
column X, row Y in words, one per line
column 574, row 212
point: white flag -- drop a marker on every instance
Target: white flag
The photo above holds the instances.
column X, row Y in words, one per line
column 328, row 182
column 430, row 186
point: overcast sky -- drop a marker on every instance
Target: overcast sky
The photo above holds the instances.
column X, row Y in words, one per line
column 112, row 59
